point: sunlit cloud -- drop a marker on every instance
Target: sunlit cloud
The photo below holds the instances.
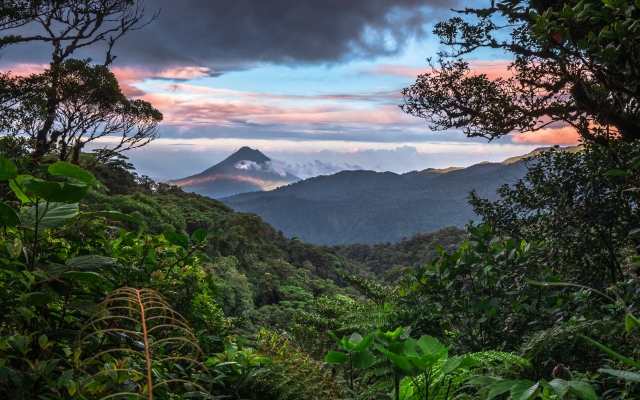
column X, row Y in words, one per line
column 128, row 76
column 549, row 136
column 226, row 108
column 493, row 69
column 25, row 69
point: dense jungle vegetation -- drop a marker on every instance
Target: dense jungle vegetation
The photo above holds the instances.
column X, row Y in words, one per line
column 113, row 286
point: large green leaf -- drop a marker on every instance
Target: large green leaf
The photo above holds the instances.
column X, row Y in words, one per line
column 336, row 357
column 424, row 353
column 617, row 172
column 8, row 216
column 626, row 375
column 50, row 216
column 54, row 269
column 582, row 390
column 397, row 348
column 55, row 191
column 524, row 390
column 364, row 343
column 411, row 348
column 92, row 261
column 85, row 306
column 390, row 336
column 177, row 239
column 7, row 170
column 68, row 170
column 630, row 322
column 200, row 235
column 38, row 298
column 612, row 353
column 558, row 386
column 500, row 387
column 397, row 359
column 110, row 214
column 14, row 184
column 468, row 362
column 451, row 364
column 430, row 345
column 89, row 277
column 355, row 338
column 363, row 359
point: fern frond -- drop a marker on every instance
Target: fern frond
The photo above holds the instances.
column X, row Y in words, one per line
column 537, row 342
column 139, row 346
column 375, row 292
column 492, row 362
column 296, row 375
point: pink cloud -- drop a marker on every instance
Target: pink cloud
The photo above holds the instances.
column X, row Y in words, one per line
column 127, row 76
column 492, row 68
column 136, row 75
column 195, row 89
column 24, row 69
column 220, row 110
column 400, row 70
column 562, row 136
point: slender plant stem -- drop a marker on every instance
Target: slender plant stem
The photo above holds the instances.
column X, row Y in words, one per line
column 143, row 319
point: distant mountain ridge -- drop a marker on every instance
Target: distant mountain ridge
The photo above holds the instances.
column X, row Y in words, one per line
column 246, row 170
column 372, row 207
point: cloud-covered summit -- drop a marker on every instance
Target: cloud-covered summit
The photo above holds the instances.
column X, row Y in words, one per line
column 273, row 166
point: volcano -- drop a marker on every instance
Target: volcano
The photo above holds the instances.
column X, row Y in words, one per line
column 246, row 170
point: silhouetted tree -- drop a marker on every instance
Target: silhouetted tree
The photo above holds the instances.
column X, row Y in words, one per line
column 90, row 106
column 68, row 25
column 576, row 63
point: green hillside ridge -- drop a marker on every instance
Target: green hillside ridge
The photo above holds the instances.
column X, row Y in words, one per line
column 242, row 259
column 372, row 207
column 240, row 283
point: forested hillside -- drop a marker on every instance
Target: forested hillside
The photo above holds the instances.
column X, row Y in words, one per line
column 389, row 261
column 371, row 207
column 263, row 275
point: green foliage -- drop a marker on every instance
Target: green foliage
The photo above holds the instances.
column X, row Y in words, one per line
column 579, row 222
column 420, row 369
column 57, row 265
column 389, row 261
column 294, row 375
column 236, row 368
column 528, row 390
column 479, row 295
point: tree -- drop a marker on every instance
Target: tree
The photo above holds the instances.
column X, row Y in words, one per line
column 575, row 63
column 90, row 106
column 17, row 13
column 68, row 25
column 576, row 211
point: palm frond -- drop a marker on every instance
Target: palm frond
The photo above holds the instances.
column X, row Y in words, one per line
column 139, row 346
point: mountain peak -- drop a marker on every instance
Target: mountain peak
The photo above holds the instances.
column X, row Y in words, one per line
column 246, row 170
column 246, row 153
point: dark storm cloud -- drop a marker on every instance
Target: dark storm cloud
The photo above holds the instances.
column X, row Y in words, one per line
column 228, row 35
column 232, row 34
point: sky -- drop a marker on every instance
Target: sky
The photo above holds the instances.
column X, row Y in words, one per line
column 313, row 84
